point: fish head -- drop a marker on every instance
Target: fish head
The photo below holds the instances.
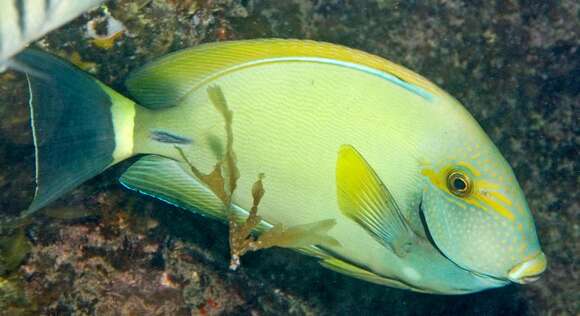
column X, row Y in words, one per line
column 475, row 213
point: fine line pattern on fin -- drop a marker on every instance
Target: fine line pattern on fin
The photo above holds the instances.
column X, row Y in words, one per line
column 72, row 126
column 169, row 181
column 164, row 82
column 352, row 270
column 364, row 198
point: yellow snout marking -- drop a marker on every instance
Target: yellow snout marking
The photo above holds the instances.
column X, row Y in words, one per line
column 529, row 270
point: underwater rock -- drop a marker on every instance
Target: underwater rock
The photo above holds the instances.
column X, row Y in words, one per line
column 13, row 250
column 514, row 64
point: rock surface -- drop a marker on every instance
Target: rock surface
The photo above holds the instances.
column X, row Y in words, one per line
column 105, row 251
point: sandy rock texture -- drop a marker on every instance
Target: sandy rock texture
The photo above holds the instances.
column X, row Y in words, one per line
column 102, row 250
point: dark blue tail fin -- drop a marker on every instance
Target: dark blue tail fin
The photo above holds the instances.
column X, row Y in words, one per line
column 72, row 125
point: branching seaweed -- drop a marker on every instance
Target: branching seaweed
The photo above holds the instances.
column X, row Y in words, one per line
column 241, row 239
column 240, row 234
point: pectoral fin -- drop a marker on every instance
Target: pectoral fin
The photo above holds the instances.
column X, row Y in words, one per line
column 364, row 198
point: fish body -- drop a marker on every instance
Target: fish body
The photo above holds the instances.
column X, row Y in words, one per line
column 24, row 21
column 418, row 196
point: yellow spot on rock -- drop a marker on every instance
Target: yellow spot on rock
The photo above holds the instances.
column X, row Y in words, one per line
column 106, row 42
column 114, row 30
column 76, row 59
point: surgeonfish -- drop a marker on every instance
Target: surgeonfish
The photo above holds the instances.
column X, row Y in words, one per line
column 333, row 152
column 24, row 21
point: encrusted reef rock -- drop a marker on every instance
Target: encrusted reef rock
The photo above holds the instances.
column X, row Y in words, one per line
column 105, row 251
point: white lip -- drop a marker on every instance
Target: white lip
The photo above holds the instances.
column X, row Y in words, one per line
column 528, row 270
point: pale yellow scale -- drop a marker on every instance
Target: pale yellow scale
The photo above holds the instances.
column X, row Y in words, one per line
column 291, row 115
column 291, row 131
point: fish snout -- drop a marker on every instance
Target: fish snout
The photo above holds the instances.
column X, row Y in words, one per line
column 528, row 270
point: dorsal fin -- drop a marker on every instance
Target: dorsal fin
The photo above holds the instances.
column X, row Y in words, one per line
column 164, row 82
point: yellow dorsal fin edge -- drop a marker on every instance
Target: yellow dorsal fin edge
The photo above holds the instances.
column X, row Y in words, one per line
column 166, row 80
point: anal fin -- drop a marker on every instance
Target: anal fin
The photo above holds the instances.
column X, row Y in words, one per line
column 354, row 271
column 169, row 181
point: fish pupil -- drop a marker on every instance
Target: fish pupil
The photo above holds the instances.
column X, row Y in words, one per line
column 459, row 184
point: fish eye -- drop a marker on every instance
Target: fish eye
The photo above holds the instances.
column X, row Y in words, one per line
column 459, row 183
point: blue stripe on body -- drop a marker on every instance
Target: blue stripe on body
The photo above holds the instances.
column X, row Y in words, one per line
column 372, row 71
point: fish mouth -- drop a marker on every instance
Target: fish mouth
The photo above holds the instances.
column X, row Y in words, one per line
column 528, row 270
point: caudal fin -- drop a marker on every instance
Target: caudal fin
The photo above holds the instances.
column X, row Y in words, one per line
column 73, row 118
